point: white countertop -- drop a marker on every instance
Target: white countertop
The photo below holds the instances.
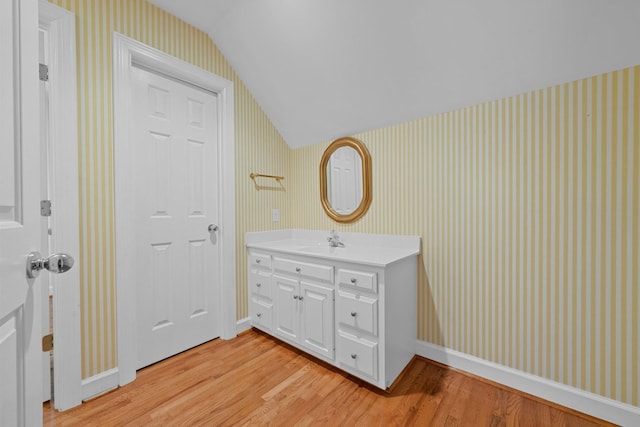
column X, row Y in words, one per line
column 377, row 250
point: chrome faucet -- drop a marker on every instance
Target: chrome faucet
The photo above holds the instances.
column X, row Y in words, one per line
column 334, row 240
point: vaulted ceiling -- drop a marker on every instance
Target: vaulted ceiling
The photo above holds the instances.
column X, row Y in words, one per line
column 321, row 69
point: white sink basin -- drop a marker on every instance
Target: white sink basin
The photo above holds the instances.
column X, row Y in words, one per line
column 325, row 250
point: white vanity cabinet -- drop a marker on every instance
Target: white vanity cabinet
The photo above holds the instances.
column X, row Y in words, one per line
column 304, row 301
column 354, row 310
column 293, row 300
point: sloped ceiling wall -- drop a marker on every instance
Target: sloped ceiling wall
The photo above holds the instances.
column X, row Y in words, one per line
column 324, row 69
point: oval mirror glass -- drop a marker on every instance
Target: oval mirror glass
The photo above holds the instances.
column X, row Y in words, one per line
column 345, row 180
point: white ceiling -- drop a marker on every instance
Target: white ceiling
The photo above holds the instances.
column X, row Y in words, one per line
column 321, row 69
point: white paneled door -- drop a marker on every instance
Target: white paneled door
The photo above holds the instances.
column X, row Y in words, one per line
column 20, row 369
column 176, row 198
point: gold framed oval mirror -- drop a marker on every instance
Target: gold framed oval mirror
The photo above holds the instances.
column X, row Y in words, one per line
column 345, row 180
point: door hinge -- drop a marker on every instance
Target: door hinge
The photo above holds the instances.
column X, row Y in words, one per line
column 44, row 73
column 45, row 207
column 47, row 342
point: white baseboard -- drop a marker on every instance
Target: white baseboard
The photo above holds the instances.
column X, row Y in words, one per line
column 243, row 325
column 571, row 397
column 98, row 384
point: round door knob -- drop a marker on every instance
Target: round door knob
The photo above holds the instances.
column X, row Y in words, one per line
column 55, row 263
column 259, row 314
column 353, row 280
column 353, row 314
column 212, row 228
column 297, row 269
column 353, row 355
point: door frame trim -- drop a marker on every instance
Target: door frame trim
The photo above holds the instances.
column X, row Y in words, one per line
column 126, row 53
column 63, row 138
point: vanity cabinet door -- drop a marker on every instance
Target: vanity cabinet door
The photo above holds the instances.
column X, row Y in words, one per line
column 317, row 320
column 260, row 260
column 261, row 313
column 360, row 355
column 260, row 283
column 359, row 312
column 361, row 280
column 287, row 312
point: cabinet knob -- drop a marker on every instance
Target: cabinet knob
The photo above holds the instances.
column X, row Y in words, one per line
column 353, row 280
column 297, row 269
column 258, row 284
column 300, row 297
column 353, row 355
column 353, row 314
column 295, row 297
column 259, row 314
column 257, row 261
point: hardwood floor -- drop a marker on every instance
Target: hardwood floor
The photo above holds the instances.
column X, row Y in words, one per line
column 257, row 380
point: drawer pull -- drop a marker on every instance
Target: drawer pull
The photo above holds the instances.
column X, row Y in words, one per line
column 353, row 280
column 353, row 314
column 259, row 314
column 353, row 355
column 258, row 284
column 297, row 269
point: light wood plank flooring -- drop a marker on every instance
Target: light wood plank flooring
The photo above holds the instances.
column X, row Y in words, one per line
column 257, row 380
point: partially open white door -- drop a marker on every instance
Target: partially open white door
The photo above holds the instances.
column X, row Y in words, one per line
column 20, row 370
column 58, row 123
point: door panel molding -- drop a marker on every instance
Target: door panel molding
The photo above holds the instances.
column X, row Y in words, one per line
column 127, row 53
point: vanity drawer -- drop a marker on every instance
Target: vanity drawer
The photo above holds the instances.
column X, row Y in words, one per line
column 257, row 259
column 260, row 283
column 358, row 354
column 262, row 314
column 357, row 311
column 314, row 271
column 359, row 279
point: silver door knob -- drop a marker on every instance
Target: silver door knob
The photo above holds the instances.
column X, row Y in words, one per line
column 55, row 263
column 212, row 228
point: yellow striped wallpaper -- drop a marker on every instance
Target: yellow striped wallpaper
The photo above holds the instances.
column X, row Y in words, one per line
column 528, row 208
column 259, row 148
